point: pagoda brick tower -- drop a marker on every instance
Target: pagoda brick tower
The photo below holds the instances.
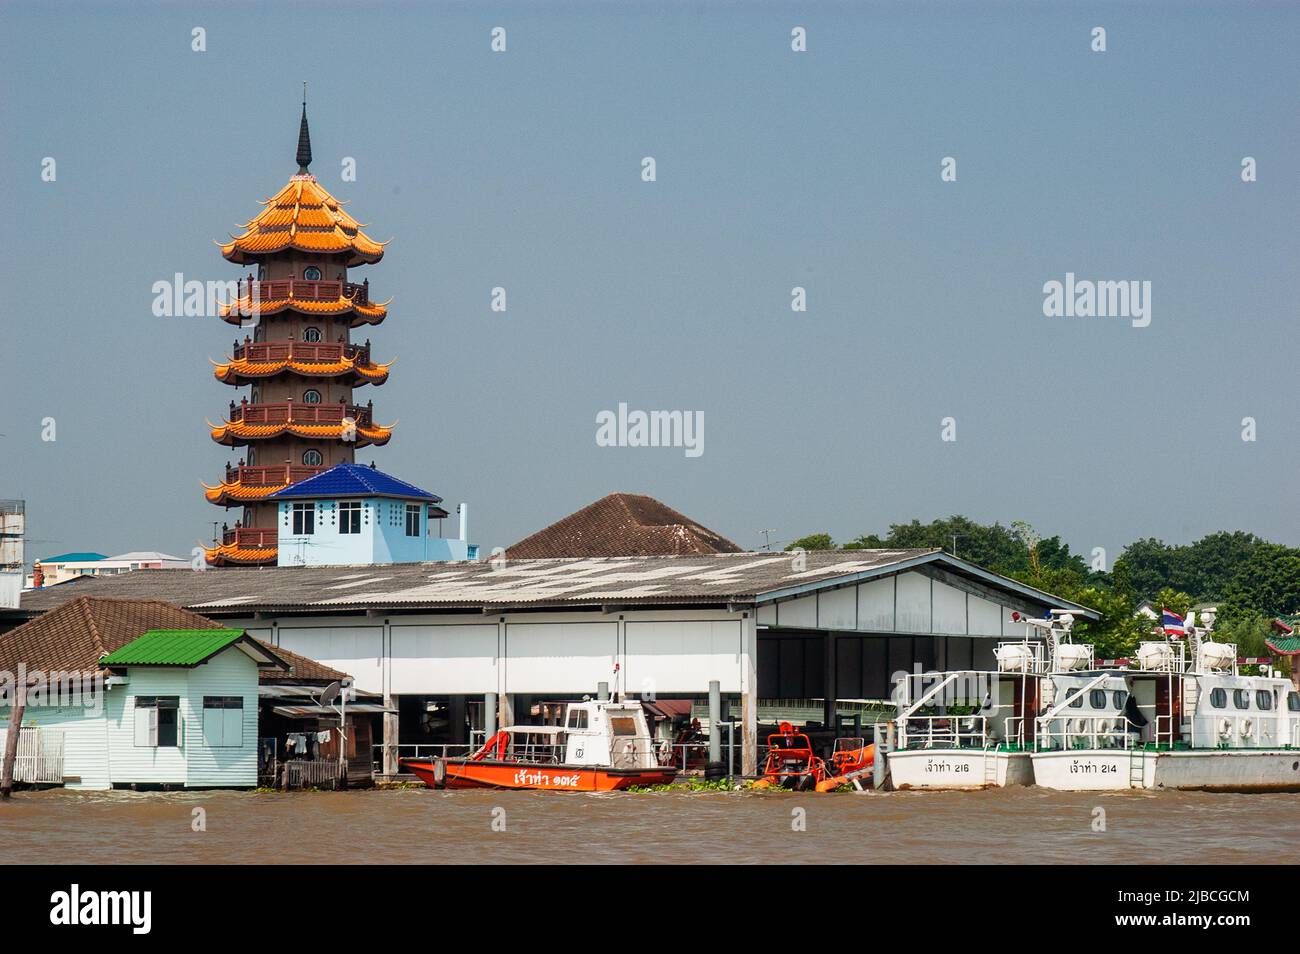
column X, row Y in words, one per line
column 297, row 310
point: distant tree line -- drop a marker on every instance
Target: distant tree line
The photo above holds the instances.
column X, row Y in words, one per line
column 1250, row 580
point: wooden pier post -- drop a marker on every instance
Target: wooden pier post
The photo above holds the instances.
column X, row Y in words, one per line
column 11, row 741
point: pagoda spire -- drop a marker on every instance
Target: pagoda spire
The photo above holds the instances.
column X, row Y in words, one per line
column 304, row 137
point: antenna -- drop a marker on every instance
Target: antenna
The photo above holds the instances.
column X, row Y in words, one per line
column 767, row 541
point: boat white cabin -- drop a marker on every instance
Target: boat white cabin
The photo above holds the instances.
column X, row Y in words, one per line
column 1191, row 721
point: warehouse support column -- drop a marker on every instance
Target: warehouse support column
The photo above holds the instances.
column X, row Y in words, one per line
column 830, row 713
column 489, row 716
column 391, row 719
column 749, row 695
column 390, row 736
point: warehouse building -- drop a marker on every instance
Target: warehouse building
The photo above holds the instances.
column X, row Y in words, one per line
column 459, row 647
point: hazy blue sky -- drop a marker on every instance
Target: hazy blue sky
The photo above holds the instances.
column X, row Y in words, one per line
column 775, row 169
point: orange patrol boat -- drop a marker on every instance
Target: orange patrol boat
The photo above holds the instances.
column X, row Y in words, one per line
column 602, row 746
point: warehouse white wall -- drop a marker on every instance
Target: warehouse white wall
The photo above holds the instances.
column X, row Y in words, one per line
column 675, row 651
column 910, row 602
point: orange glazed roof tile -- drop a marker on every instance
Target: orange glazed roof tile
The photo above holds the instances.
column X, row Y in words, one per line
column 371, row 314
column 239, row 368
column 229, row 554
column 303, row 216
column 229, row 493
column 235, row 433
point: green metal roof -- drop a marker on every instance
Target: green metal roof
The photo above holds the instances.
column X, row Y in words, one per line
column 172, row 647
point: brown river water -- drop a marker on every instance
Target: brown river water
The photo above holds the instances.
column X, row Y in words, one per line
column 421, row 825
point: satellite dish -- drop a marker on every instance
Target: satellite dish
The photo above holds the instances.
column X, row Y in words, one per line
column 329, row 694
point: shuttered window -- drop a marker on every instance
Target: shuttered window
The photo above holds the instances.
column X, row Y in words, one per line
column 223, row 721
column 156, row 721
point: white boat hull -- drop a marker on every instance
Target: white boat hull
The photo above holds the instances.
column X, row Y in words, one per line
column 1088, row 770
column 1241, row 770
column 958, row 769
column 1229, row 770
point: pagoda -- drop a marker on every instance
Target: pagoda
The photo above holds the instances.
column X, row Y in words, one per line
column 298, row 309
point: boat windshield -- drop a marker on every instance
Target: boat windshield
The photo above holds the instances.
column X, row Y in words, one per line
column 622, row 725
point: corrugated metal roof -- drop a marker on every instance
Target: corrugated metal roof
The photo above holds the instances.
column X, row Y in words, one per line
column 694, row 580
column 352, row 480
column 173, row 647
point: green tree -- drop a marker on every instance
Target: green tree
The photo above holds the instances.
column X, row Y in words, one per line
column 1175, row 600
column 814, row 541
column 1267, row 584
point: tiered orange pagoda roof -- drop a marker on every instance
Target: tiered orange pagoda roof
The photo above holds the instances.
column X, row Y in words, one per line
column 305, row 217
column 232, row 554
column 280, row 296
column 237, row 433
column 233, row 493
column 360, row 370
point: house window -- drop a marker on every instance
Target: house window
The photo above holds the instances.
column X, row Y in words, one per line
column 304, row 519
column 311, row 397
column 412, row 520
column 350, row 516
column 1263, row 700
column 312, row 458
column 1241, row 698
column 223, row 721
column 311, row 334
column 1097, row 698
column 578, row 719
column 156, row 718
column 311, row 273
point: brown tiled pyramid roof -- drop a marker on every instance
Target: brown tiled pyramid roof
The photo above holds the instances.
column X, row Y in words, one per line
column 73, row 637
column 622, row 525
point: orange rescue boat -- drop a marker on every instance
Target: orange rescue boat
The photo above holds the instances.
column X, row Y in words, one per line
column 601, row 747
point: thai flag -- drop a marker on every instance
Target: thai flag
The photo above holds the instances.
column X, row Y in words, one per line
column 1173, row 623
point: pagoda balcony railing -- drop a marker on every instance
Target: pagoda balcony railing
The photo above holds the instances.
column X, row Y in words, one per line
column 304, row 290
column 269, row 475
column 249, row 536
column 298, row 412
column 311, row 352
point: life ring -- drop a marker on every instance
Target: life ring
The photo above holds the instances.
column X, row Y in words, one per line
column 1225, row 727
column 1247, row 726
column 665, row 752
column 629, row 753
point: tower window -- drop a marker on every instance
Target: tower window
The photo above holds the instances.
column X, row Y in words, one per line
column 261, row 273
column 304, row 519
column 412, row 520
column 312, row 458
column 350, row 516
column 311, row 397
column 311, row 273
column 311, row 334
